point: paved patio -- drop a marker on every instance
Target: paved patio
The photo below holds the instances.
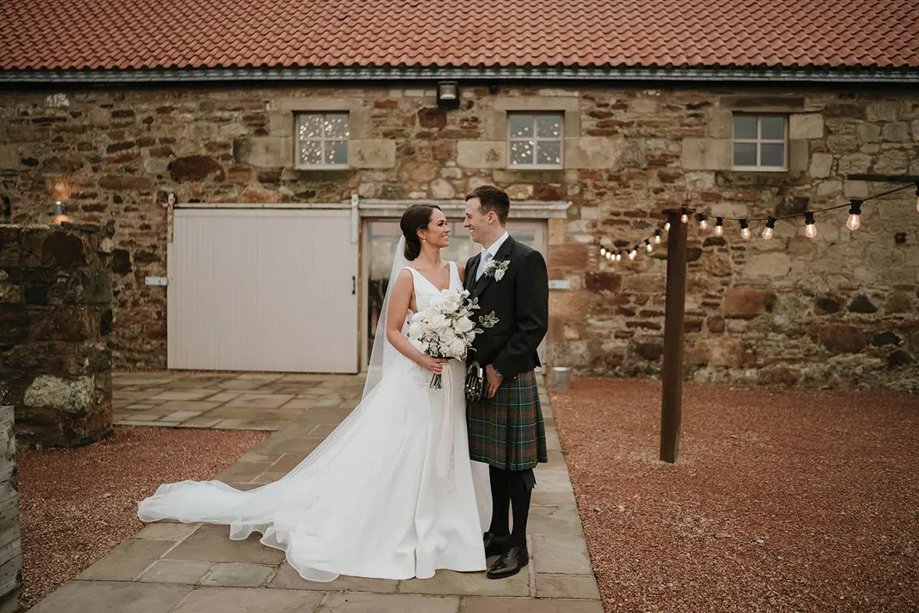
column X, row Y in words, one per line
column 171, row 567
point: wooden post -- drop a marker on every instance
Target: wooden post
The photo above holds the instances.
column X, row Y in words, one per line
column 672, row 374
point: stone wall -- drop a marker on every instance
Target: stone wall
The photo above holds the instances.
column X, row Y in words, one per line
column 10, row 543
column 55, row 317
column 839, row 310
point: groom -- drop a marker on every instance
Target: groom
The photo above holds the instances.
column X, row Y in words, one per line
column 506, row 429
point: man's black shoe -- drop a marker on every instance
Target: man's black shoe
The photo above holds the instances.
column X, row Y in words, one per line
column 510, row 562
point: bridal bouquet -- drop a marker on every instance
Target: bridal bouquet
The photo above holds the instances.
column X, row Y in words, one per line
column 445, row 329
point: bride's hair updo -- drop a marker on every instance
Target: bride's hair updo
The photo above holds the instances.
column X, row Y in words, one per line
column 417, row 217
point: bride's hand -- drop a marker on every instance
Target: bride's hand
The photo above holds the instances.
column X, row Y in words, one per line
column 435, row 365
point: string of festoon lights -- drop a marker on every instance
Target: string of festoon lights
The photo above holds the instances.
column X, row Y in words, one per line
column 810, row 225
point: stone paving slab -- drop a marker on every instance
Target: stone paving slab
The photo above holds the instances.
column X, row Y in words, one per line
column 176, row 571
column 171, row 567
column 287, row 578
column 252, row 600
column 235, row 574
column 363, row 602
column 105, row 596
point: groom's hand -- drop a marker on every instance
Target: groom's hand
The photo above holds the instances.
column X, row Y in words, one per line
column 494, row 379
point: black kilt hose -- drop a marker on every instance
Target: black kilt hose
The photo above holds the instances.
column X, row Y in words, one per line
column 508, row 431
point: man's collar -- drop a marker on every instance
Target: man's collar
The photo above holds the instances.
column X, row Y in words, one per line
column 493, row 248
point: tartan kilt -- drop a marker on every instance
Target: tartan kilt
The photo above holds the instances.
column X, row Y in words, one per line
column 508, row 431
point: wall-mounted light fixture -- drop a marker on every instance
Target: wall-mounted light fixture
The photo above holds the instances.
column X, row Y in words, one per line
column 58, row 216
column 447, row 94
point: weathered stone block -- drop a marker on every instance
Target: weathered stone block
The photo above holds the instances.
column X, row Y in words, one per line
column 519, row 191
column 841, row 338
column 432, row 118
column 899, row 302
column 592, row 152
column 442, row 189
column 892, row 162
column 481, row 154
column 828, row 304
column 603, row 281
column 856, row 163
column 821, row 165
column 68, row 395
column 125, row 183
column 883, row 111
column 899, row 357
column 706, row 154
column 9, row 156
column 267, row 151
column 370, row 153
column 805, row 125
column 196, row 168
column 868, row 132
column 779, row 375
column 746, row 303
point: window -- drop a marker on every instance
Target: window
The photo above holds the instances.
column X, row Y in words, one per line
column 759, row 142
column 322, row 140
column 534, row 140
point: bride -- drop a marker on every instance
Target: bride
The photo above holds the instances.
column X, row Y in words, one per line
column 391, row 492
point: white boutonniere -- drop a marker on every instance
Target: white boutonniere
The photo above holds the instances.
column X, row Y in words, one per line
column 496, row 269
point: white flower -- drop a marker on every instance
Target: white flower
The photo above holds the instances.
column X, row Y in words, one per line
column 463, row 324
column 496, row 269
column 436, row 322
column 458, row 348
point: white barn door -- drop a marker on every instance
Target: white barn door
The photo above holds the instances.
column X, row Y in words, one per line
column 263, row 289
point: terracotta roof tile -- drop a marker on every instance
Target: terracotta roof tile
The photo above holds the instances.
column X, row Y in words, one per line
column 92, row 34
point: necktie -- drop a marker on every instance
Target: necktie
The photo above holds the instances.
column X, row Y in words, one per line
column 483, row 261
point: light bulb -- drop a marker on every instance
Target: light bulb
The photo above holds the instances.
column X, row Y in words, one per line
column 855, row 211
column 648, row 246
column 684, row 217
column 745, row 229
column 703, row 222
column 603, row 251
column 719, row 226
column 810, row 228
column 667, row 226
column 745, row 233
column 770, row 227
column 632, row 254
column 657, row 237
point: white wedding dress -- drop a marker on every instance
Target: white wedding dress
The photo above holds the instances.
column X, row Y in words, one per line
column 390, row 494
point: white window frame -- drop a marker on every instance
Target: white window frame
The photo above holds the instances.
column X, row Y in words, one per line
column 298, row 162
column 759, row 141
column 536, row 139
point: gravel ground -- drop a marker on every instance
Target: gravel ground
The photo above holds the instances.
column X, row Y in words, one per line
column 783, row 500
column 76, row 505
